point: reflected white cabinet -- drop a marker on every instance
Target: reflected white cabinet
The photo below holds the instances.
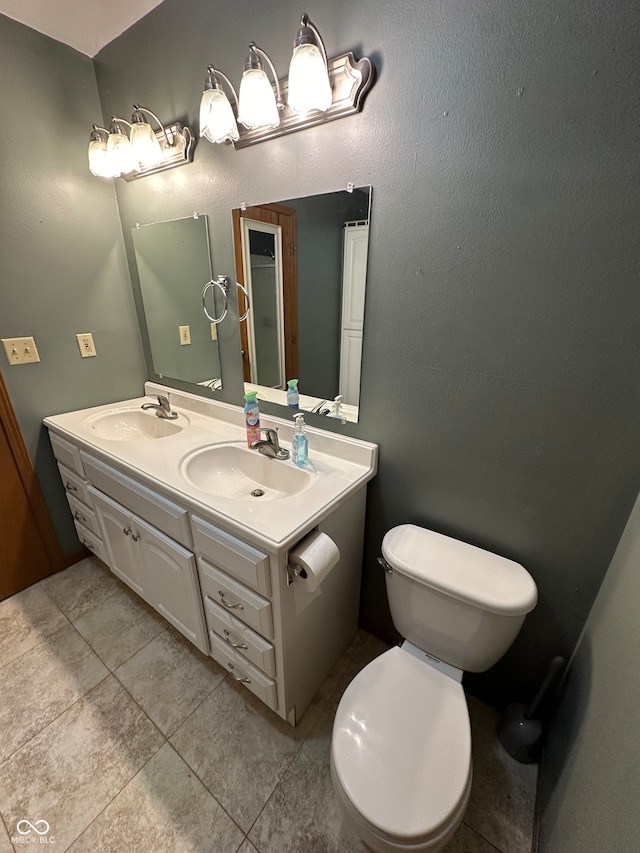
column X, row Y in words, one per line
column 158, row 569
column 354, row 277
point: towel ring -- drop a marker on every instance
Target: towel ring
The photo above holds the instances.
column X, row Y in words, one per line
column 223, row 283
column 246, row 299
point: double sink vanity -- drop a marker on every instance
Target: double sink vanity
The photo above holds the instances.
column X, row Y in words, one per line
column 201, row 527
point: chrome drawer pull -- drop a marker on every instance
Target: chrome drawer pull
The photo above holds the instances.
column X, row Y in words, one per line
column 135, row 537
column 79, row 517
column 70, row 487
column 126, row 530
column 237, row 677
column 226, row 604
column 228, row 639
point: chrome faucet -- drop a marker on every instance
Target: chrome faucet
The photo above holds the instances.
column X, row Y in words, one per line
column 270, row 446
column 162, row 407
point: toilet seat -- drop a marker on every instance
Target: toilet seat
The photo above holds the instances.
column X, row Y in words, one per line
column 401, row 751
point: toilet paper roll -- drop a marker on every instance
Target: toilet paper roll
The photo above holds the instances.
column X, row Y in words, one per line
column 314, row 558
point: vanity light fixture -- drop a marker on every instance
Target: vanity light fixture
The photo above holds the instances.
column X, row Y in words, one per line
column 145, row 151
column 258, row 107
column 119, row 151
column 309, row 84
column 217, row 119
column 98, row 162
column 317, row 90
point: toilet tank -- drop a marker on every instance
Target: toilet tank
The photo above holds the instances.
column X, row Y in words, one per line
column 457, row 602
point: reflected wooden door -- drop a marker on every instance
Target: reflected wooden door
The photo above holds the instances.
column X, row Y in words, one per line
column 285, row 217
column 28, row 548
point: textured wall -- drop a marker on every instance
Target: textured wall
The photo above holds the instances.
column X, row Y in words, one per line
column 500, row 373
column 590, row 782
column 62, row 264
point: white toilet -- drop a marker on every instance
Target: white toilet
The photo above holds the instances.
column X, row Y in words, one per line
column 401, row 744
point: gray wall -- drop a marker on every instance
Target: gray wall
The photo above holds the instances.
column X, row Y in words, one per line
column 500, row 373
column 590, row 783
column 62, row 264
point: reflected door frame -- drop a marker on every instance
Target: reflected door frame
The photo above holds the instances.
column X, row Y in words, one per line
column 285, row 217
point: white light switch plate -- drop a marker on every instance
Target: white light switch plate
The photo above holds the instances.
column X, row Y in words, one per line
column 20, row 350
column 185, row 335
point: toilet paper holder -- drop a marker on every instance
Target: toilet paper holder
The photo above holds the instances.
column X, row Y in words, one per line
column 294, row 572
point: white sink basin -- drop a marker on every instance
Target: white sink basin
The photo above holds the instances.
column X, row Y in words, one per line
column 132, row 425
column 233, row 471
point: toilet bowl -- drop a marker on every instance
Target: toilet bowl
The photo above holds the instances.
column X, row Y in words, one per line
column 401, row 744
column 401, row 754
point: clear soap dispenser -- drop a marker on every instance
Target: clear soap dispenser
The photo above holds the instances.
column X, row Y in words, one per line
column 300, row 443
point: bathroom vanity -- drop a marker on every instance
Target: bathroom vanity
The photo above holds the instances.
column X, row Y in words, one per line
column 202, row 528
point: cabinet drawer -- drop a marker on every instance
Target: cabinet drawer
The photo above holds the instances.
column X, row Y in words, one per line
column 82, row 514
column 233, row 632
column 244, row 672
column 248, row 606
column 75, row 484
column 91, row 541
column 153, row 507
column 66, row 453
column 244, row 562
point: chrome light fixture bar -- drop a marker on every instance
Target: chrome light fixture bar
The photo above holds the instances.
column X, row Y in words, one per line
column 317, row 90
column 144, row 152
column 350, row 80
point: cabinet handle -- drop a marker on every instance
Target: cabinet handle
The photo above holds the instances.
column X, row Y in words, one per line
column 135, row 537
column 228, row 639
column 70, row 487
column 226, row 603
column 79, row 517
column 237, row 677
column 126, row 530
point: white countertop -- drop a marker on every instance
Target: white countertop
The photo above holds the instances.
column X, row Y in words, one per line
column 339, row 465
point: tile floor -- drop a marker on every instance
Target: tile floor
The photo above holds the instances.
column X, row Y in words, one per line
column 122, row 736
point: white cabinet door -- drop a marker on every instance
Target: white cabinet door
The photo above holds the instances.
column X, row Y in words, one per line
column 171, row 583
column 118, row 532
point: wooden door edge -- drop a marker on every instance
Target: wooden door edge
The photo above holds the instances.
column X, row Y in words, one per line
column 29, row 480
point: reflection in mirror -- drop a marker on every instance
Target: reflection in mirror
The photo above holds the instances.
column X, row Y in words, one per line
column 174, row 263
column 304, row 264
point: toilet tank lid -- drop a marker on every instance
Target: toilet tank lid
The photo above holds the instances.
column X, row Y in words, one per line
column 462, row 571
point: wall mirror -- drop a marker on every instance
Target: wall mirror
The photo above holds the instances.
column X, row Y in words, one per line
column 303, row 263
column 173, row 262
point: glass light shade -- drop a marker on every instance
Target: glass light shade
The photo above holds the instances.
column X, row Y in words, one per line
column 98, row 159
column 217, row 121
column 257, row 107
column 309, row 87
column 119, row 153
column 145, row 148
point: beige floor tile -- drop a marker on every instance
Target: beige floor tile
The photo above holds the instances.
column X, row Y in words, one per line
column 502, row 802
column 164, row 807
column 42, row 683
column 169, row 678
column 303, row 813
column 120, row 627
column 69, row 772
column 467, row 841
column 239, row 748
column 5, row 844
column 26, row 619
column 81, row 587
column 247, row 847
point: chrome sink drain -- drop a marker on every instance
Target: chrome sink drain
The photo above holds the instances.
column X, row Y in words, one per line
column 257, row 493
